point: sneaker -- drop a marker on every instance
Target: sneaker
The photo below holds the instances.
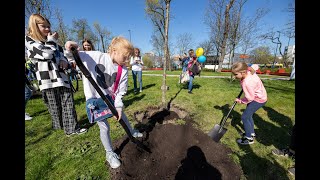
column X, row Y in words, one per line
column 113, row 159
column 78, row 131
column 190, row 92
column 292, row 171
column 27, row 117
column 140, row 91
column 245, row 140
column 136, row 133
column 253, row 135
column 283, row 152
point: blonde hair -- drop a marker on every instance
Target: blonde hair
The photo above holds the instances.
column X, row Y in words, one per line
column 33, row 30
column 121, row 44
column 241, row 67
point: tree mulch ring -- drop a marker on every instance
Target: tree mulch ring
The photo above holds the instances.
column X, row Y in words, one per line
column 178, row 150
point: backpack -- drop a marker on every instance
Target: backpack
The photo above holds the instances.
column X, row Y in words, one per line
column 195, row 69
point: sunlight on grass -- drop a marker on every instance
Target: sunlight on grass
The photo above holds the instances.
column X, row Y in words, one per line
column 50, row 154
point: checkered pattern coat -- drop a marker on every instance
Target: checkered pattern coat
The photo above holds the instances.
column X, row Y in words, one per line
column 46, row 56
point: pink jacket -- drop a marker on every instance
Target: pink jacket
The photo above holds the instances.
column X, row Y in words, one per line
column 253, row 89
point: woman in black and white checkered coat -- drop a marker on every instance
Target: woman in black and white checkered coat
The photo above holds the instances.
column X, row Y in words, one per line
column 48, row 57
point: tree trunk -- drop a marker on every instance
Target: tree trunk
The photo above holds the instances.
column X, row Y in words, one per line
column 167, row 56
column 225, row 35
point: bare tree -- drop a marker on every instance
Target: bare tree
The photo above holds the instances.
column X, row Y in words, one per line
column 249, row 30
column 103, row 34
column 244, row 30
column 225, row 34
column 217, row 17
column 82, row 30
column 214, row 18
column 274, row 36
column 235, row 21
column 37, row 6
column 159, row 11
column 261, row 55
column 157, row 43
column 208, row 46
column 61, row 28
column 184, row 42
column 290, row 26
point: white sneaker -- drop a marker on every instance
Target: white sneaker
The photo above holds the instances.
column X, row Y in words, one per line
column 113, row 159
column 136, row 133
column 27, row 117
column 140, row 90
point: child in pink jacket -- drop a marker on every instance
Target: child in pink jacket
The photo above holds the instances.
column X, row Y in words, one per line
column 255, row 97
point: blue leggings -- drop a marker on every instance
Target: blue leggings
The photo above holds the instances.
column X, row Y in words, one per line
column 134, row 75
column 247, row 119
column 27, row 94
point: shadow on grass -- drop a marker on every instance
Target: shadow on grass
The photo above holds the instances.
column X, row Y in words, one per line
column 194, row 86
column 251, row 164
column 128, row 101
column 84, row 122
column 169, row 103
column 275, row 116
column 79, row 100
column 143, row 88
column 266, row 134
column 283, row 89
column 46, row 133
column 40, row 113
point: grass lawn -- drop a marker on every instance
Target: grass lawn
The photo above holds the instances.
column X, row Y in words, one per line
column 51, row 154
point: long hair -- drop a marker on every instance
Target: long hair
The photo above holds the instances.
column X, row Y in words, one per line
column 33, row 30
column 88, row 41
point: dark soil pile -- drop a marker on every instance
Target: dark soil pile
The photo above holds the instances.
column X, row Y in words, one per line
column 177, row 151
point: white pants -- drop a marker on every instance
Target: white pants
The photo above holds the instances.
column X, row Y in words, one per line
column 105, row 131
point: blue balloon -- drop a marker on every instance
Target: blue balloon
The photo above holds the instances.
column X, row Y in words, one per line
column 202, row 59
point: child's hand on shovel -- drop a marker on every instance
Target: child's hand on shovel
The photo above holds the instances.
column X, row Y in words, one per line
column 238, row 100
column 119, row 110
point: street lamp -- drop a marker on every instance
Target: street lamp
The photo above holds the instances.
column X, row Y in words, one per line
column 130, row 34
column 275, row 54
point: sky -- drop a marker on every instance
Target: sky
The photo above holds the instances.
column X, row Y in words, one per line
column 128, row 18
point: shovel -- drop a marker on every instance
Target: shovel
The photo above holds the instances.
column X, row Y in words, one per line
column 218, row 131
column 87, row 74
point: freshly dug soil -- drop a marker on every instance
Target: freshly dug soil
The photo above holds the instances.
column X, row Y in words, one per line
column 178, row 152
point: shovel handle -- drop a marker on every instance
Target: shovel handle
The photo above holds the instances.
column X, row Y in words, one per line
column 226, row 117
column 87, row 74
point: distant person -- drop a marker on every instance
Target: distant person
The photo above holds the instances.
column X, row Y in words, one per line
column 102, row 65
column 184, row 62
column 192, row 59
column 137, row 63
column 87, row 45
column 47, row 55
column 289, row 151
column 255, row 97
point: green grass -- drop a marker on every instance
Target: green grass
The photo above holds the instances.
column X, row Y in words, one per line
column 51, row 154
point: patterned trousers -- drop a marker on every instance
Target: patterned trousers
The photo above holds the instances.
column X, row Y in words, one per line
column 60, row 103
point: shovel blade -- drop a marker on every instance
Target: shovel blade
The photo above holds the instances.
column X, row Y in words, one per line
column 215, row 134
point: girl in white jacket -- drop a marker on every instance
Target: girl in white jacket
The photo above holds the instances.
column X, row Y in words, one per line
column 104, row 68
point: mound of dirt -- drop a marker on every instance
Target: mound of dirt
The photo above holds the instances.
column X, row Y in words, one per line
column 177, row 151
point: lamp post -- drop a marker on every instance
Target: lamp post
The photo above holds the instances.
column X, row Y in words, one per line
column 275, row 54
column 129, row 34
